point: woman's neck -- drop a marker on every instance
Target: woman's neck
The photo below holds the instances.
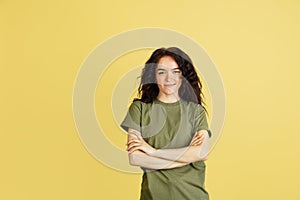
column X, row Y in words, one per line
column 168, row 98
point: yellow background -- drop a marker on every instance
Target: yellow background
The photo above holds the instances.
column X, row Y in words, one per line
column 255, row 45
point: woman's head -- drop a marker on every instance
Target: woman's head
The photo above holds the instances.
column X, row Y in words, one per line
column 168, row 78
column 170, row 70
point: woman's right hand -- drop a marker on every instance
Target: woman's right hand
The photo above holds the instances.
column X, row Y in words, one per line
column 138, row 143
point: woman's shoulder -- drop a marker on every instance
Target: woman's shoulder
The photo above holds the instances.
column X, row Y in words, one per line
column 138, row 104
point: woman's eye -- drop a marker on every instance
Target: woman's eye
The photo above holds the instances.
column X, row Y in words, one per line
column 161, row 72
column 176, row 72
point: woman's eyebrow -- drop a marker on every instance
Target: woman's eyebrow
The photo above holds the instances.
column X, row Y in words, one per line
column 166, row 69
column 162, row 69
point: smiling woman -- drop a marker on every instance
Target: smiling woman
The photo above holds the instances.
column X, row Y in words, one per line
column 168, row 77
column 168, row 134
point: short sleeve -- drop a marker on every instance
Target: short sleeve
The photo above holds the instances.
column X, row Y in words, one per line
column 201, row 120
column 133, row 117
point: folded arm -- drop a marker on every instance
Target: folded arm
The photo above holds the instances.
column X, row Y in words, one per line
column 140, row 158
column 186, row 154
column 197, row 150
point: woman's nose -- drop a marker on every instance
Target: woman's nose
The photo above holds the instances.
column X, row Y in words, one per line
column 168, row 76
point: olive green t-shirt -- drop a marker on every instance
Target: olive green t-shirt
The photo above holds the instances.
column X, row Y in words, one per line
column 167, row 126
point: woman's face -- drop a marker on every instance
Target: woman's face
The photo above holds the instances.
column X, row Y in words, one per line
column 168, row 76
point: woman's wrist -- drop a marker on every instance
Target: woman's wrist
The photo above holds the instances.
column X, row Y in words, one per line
column 152, row 152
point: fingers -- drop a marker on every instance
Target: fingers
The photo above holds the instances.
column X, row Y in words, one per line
column 197, row 143
column 197, row 139
column 133, row 135
column 133, row 149
column 132, row 142
column 198, row 135
column 137, row 142
column 133, row 145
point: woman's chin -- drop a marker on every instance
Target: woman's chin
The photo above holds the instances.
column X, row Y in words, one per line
column 170, row 92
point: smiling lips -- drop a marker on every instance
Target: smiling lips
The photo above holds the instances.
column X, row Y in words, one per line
column 169, row 85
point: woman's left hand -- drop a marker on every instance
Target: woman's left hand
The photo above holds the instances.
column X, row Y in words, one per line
column 139, row 144
column 198, row 138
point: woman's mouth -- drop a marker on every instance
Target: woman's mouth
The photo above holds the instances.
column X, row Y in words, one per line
column 169, row 85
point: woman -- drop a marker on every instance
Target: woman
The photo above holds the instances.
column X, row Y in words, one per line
column 168, row 134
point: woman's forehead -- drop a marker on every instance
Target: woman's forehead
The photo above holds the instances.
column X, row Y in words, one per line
column 167, row 62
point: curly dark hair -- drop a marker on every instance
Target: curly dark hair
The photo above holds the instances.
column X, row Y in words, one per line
column 191, row 87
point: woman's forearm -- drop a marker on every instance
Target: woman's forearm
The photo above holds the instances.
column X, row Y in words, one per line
column 186, row 154
column 144, row 155
column 139, row 158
